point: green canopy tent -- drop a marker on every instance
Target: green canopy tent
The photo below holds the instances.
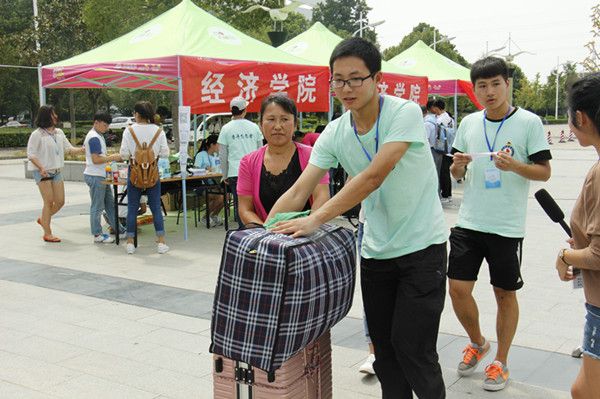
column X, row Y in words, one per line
column 446, row 77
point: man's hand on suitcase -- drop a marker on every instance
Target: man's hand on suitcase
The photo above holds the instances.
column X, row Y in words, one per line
column 300, row 227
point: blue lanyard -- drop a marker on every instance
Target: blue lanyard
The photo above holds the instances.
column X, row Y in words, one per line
column 376, row 133
column 491, row 147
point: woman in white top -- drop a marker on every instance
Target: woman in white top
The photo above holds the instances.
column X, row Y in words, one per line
column 46, row 153
column 144, row 130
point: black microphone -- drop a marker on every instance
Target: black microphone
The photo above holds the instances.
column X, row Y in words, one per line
column 552, row 209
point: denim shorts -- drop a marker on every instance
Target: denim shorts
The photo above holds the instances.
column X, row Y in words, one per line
column 53, row 177
column 591, row 332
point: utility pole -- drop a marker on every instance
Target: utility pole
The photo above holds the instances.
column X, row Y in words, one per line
column 41, row 90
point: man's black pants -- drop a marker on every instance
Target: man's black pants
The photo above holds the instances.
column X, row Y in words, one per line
column 403, row 299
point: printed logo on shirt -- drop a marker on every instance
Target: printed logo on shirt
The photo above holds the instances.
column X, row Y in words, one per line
column 509, row 149
column 242, row 136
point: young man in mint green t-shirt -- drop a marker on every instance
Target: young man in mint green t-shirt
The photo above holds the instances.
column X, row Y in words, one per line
column 237, row 138
column 497, row 151
column 381, row 143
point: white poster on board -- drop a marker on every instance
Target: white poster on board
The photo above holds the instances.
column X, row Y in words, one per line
column 184, row 132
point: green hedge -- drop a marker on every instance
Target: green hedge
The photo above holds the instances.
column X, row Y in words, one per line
column 18, row 137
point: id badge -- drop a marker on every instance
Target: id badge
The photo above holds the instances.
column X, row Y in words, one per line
column 492, row 178
column 578, row 280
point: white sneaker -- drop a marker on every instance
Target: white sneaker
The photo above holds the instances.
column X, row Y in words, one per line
column 130, row 249
column 446, row 200
column 163, row 248
column 103, row 239
column 367, row 366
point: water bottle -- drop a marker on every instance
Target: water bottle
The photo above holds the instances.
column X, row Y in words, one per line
column 108, row 171
column 115, row 172
column 217, row 164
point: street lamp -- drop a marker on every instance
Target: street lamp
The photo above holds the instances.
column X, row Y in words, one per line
column 492, row 52
column 363, row 27
column 558, row 65
column 443, row 38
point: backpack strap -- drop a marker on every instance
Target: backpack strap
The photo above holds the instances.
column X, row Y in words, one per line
column 137, row 142
column 155, row 137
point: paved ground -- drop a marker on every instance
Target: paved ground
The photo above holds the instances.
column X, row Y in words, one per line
column 79, row 320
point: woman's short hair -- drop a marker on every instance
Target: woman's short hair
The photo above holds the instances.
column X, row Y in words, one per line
column 207, row 142
column 44, row 116
column 145, row 109
column 283, row 101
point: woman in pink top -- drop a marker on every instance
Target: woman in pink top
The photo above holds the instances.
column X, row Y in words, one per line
column 584, row 121
column 268, row 172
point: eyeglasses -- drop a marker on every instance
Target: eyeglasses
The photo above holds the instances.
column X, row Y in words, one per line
column 352, row 82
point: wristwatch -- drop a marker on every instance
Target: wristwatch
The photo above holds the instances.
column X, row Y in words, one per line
column 561, row 255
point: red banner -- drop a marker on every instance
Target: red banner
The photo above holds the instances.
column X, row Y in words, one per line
column 209, row 85
column 414, row 88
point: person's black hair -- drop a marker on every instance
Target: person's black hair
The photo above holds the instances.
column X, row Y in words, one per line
column 441, row 104
column 423, row 109
column 336, row 115
column 145, row 109
column 584, row 96
column 103, row 117
column 207, row 142
column 430, row 104
column 489, row 67
column 235, row 111
column 359, row 48
column 283, row 101
column 299, row 135
column 43, row 118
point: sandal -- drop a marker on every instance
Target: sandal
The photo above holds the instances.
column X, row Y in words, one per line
column 51, row 239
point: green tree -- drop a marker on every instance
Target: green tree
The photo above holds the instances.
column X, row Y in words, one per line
column 424, row 32
column 592, row 62
column 565, row 79
column 342, row 16
column 530, row 95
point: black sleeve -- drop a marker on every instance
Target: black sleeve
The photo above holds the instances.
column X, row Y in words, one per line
column 454, row 151
column 540, row 156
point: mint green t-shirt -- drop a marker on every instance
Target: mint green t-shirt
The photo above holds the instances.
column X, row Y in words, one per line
column 404, row 214
column 241, row 137
column 499, row 210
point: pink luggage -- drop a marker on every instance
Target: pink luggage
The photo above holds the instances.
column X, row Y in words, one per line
column 306, row 375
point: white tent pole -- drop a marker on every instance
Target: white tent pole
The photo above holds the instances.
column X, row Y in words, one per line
column 182, row 167
column 330, row 113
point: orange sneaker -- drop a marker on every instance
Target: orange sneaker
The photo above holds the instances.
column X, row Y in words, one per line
column 496, row 376
column 471, row 358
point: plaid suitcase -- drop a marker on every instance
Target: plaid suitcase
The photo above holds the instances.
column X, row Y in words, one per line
column 276, row 294
column 307, row 375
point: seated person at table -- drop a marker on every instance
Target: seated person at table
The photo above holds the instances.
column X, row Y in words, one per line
column 206, row 159
column 268, row 172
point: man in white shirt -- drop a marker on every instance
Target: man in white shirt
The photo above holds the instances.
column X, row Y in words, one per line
column 237, row 138
column 94, row 173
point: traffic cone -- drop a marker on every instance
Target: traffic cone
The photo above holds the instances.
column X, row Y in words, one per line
column 549, row 138
column 571, row 136
column 562, row 137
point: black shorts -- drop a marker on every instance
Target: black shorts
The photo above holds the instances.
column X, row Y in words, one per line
column 468, row 248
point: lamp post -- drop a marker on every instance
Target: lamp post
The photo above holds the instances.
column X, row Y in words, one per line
column 443, row 38
column 362, row 27
column 492, row 52
column 41, row 90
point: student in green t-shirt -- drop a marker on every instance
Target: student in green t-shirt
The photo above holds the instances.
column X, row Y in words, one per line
column 380, row 141
column 497, row 151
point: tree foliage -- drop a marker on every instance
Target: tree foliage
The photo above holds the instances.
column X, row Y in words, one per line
column 592, row 62
column 342, row 16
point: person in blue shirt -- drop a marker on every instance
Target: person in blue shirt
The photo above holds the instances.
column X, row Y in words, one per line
column 206, row 158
